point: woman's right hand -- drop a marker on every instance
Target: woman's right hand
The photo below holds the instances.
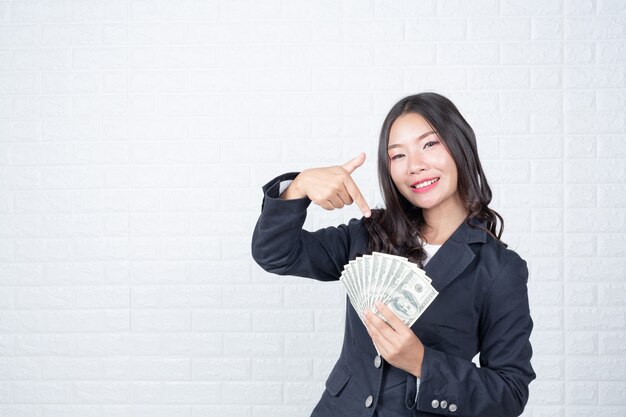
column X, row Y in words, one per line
column 330, row 187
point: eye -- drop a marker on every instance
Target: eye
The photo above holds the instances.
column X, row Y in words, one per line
column 431, row 143
column 397, row 156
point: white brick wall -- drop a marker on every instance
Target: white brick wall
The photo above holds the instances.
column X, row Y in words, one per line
column 135, row 136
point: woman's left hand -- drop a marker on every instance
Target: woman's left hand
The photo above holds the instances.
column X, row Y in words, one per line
column 395, row 341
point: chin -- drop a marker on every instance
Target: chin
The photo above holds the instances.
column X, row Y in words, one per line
column 423, row 204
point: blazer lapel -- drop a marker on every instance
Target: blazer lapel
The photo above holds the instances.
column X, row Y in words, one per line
column 454, row 255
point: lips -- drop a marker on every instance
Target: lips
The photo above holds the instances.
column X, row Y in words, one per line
column 424, row 183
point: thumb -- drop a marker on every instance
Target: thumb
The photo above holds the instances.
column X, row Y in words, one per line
column 353, row 164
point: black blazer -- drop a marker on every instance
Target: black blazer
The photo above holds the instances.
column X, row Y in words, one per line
column 482, row 306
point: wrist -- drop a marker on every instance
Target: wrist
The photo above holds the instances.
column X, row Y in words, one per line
column 417, row 369
column 293, row 191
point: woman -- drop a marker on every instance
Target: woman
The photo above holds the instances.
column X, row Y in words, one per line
column 436, row 201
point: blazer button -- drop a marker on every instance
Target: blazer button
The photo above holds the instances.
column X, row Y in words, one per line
column 369, row 401
column 378, row 361
column 443, row 404
column 452, row 408
column 435, row 403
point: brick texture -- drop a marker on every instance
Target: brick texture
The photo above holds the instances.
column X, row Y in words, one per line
column 135, row 136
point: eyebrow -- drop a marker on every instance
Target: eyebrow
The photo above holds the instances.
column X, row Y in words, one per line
column 422, row 136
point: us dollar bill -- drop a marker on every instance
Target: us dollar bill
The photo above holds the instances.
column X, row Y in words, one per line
column 391, row 279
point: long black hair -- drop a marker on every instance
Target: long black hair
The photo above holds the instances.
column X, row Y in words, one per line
column 397, row 229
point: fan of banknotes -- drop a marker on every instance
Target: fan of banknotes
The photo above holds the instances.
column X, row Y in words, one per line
column 391, row 279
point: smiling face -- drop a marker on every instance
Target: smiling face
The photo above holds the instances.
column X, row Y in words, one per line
column 421, row 167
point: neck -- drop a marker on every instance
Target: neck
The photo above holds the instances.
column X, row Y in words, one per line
column 441, row 222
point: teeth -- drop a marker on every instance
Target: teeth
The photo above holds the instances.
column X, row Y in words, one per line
column 426, row 183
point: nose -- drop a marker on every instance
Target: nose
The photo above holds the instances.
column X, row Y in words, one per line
column 416, row 164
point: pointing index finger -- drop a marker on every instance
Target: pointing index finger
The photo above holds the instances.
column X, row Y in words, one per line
column 358, row 198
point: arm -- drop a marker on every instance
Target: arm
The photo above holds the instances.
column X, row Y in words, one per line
column 499, row 388
column 281, row 246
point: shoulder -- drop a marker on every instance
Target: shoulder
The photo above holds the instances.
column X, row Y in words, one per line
column 501, row 262
column 356, row 228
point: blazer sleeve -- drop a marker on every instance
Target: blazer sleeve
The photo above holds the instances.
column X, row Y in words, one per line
column 499, row 388
column 281, row 246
